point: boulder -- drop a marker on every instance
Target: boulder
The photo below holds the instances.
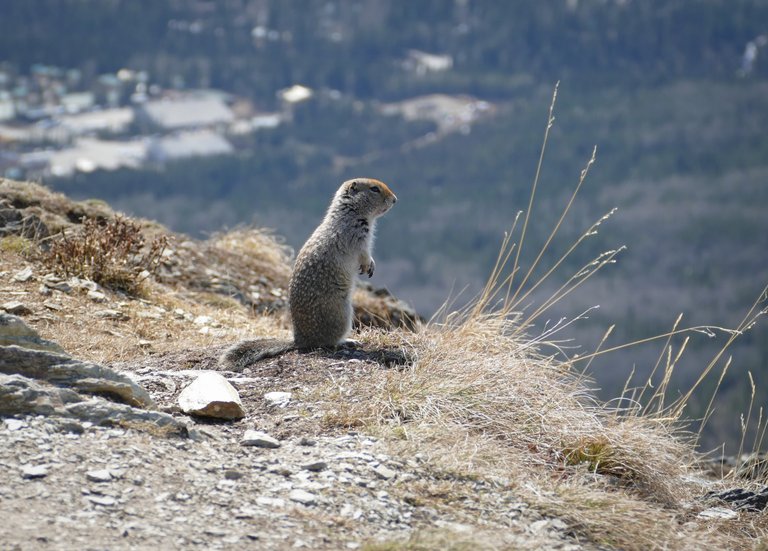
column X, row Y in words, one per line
column 13, row 331
column 63, row 371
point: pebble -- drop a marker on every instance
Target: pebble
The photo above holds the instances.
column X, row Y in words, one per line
column 104, row 501
column 384, row 472
column 303, row 497
column 316, row 466
column 266, row 501
column 97, row 296
column 111, row 315
column 102, row 475
column 259, row 439
column 279, row 399
column 34, row 471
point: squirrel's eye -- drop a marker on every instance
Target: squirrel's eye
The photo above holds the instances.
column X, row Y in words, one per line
column 376, row 189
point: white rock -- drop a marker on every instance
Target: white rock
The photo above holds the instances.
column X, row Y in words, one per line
column 259, row 439
column 270, row 501
column 14, row 424
column 105, row 501
column 279, row 399
column 210, row 395
column 34, row 471
column 203, row 320
column 303, row 497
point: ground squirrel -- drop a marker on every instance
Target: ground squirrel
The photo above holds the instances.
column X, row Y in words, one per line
column 320, row 293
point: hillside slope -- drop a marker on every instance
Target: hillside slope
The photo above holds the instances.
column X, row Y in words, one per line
column 459, row 435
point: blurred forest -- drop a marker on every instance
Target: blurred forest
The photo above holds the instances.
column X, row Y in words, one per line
column 661, row 87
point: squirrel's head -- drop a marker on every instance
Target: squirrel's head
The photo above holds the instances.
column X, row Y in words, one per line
column 367, row 196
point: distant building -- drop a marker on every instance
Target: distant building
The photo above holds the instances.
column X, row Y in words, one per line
column 182, row 145
column 106, row 120
column 89, row 154
column 295, row 94
column 422, row 63
column 75, row 102
column 7, row 108
column 187, row 112
column 449, row 113
column 86, row 155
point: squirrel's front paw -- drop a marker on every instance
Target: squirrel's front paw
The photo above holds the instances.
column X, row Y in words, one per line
column 368, row 268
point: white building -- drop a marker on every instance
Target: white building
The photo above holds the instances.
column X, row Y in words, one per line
column 422, row 63
column 86, row 155
column 181, row 145
column 186, row 112
column 106, row 120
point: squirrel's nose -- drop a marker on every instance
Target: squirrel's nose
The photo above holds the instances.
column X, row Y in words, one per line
column 394, row 199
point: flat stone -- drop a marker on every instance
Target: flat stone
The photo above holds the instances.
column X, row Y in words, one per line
column 64, row 371
column 259, row 439
column 24, row 275
column 34, row 471
column 16, row 308
column 14, row 424
column 13, row 331
column 104, row 501
column 97, row 296
column 279, row 399
column 102, row 475
column 56, row 283
column 316, row 466
column 211, row 395
column 384, row 472
column 79, row 283
column 111, row 315
column 267, row 501
column 303, row 497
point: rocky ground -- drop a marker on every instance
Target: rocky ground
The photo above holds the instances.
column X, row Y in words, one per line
column 275, row 479
column 119, row 430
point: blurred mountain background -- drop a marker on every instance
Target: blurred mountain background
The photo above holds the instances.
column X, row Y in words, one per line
column 205, row 115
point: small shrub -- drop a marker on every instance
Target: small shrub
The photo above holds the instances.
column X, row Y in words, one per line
column 114, row 254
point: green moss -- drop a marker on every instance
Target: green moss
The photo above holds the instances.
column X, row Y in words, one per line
column 15, row 244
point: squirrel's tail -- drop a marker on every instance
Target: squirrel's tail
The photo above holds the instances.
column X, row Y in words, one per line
column 245, row 353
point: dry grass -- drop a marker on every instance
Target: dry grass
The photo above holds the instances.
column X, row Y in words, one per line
column 482, row 399
column 253, row 251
